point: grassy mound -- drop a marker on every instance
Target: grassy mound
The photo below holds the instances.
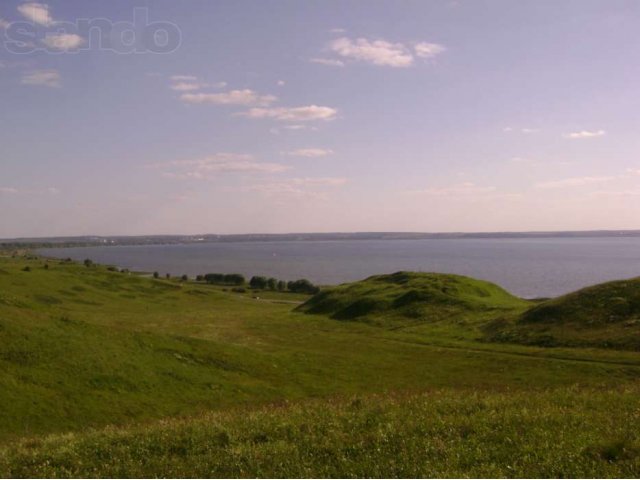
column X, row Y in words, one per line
column 561, row 433
column 410, row 296
column 605, row 315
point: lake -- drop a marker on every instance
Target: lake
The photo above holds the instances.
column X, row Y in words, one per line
column 539, row 267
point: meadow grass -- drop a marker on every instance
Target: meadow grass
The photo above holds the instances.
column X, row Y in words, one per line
column 88, row 348
column 564, row 432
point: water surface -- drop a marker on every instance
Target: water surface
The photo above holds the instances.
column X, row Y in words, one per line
column 539, row 267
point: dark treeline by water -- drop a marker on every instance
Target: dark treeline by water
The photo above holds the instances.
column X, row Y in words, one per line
column 529, row 267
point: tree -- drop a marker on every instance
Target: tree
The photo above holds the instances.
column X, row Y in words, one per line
column 199, row 278
column 168, row 276
column 272, row 283
column 234, row 279
column 156, row 275
column 302, row 286
column 184, row 277
column 258, row 282
column 88, row 262
column 282, row 285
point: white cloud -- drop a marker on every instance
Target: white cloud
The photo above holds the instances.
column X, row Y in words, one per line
column 187, row 86
column 320, row 181
column 281, row 83
column 584, row 134
column 190, row 83
column 634, row 171
column 311, row 188
column 428, row 50
column 295, row 114
column 207, row 167
column 574, row 182
column 4, row 24
column 46, row 78
column 37, row 13
column 462, row 189
column 295, row 127
column 330, row 62
column 616, row 193
column 233, row 97
column 376, row 52
column 310, row 152
column 521, row 130
column 337, row 30
column 183, row 78
column 63, row 41
column 8, row 190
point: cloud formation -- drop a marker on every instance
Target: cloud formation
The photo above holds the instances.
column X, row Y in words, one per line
column 574, row 182
column 428, row 50
column 233, row 97
column 63, row 41
column 44, row 78
column 293, row 114
column 202, row 168
column 329, row 62
column 310, row 152
column 37, row 13
column 584, row 134
column 379, row 52
column 461, row 189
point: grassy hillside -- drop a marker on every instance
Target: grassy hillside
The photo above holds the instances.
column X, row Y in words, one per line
column 89, row 348
column 412, row 297
column 566, row 432
column 605, row 315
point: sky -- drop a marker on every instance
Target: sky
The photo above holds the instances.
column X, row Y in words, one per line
column 198, row 116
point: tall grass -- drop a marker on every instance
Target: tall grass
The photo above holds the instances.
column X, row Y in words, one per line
column 567, row 432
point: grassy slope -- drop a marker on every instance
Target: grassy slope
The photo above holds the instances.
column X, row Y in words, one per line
column 605, row 315
column 408, row 297
column 563, row 433
column 86, row 347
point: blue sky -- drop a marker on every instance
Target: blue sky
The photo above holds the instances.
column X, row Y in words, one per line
column 287, row 116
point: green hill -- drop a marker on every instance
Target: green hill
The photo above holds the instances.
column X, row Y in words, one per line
column 412, row 297
column 605, row 315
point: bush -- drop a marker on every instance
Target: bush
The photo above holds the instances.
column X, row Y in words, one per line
column 88, row 262
column 234, row 279
column 258, row 282
column 302, row 286
column 156, row 275
column 26, row 269
column 184, row 277
column 223, row 279
column 272, row 283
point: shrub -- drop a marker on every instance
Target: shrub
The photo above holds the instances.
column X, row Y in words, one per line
column 302, row 286
column 184, row 277
column 258, row 282
column 156, row 274
column 88, row 262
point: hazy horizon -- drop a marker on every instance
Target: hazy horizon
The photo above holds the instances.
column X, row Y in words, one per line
column 338, row 116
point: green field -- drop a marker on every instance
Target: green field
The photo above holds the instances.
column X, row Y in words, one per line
column 112, row 374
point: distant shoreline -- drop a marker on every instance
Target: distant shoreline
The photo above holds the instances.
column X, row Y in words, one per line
column 78, row 241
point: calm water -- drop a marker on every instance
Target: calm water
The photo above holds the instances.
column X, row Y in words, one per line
column 526, row 267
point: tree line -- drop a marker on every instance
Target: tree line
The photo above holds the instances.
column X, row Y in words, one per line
column 258, row 282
